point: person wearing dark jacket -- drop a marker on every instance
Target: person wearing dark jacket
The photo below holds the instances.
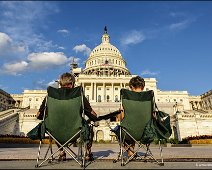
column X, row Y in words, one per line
column 67, row 80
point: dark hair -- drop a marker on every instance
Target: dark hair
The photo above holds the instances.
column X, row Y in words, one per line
column 66, row 79
column 137, row 82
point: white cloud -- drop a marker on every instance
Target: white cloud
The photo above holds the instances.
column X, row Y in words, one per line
column 5, row 40
column 147, row 72
column 133, row 37
column 21, row 20
column 7, row 47
column 61, row 48
column 63, row 31
column 82, row 48
column 15, row 68
column 177, row 14
column 53, row 83
column 179, row 25
column 35, row 62
column 47, row 59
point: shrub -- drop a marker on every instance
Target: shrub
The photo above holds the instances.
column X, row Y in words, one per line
column 21, row 139
column 163, row 141
column 173, row 141
column 195, row 139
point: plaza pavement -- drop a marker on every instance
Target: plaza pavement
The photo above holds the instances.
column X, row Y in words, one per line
column 107, row 151
column 24, row 157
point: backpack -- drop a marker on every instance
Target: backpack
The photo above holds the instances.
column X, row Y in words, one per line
column 162, row 125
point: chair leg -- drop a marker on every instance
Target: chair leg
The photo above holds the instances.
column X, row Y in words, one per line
column 47, row 151
column 121, row 151
column 79, row 154
column 38, row 154
column 51, row 149
column 161, row 155
column 84, row 154
column 119, row 154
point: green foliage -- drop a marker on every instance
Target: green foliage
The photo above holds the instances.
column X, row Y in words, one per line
column 173, row 141
column 20, row 139
column 163, row 141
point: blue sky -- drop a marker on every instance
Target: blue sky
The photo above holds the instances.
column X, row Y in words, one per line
column 168, row 40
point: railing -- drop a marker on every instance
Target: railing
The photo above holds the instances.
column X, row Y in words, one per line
column 6, row 113
column 24, row 109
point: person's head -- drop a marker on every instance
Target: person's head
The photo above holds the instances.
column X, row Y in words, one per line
column 137, row 84
column 67, row 80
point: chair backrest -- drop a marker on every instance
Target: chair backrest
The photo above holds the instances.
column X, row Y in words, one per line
column 138, row 108
column 64, row 118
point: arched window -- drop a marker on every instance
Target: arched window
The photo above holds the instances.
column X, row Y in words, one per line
column 99, row 98
column 99, row 135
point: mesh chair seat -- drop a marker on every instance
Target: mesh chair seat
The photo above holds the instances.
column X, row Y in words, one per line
column 138, row 113
column 64, row 122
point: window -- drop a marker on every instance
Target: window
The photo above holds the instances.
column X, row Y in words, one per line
column 99, row 88
column 87, row 88
column 108, row 88
column 116, row 88
column 30, row 99
column 99, row 98
column 175, row 100
column 181, row 100
column 87, row 97
column 116, row 98
column 108, row 98
column 36, row 99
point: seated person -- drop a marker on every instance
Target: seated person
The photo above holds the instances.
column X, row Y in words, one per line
column 67, row 80
column 136, row 84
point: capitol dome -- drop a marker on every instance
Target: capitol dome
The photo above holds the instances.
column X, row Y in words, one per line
column 105, row 60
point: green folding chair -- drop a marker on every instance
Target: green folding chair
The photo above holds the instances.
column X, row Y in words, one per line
column 64, row 123
column 138, row 115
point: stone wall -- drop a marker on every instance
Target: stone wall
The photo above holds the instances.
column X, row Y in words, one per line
column 9, row 122
column 193, row 123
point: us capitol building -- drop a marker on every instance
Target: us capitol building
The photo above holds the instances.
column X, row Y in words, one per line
column 104, row 75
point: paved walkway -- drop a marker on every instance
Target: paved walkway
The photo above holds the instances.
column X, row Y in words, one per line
column 110, row 151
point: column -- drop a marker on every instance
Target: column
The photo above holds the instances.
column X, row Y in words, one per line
column 121, row 85
column 104, row 97
column 95, row 87
column 83, row 86
column 92, row 91
column 112, row 92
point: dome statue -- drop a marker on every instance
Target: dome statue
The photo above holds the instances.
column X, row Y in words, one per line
column 105, row 60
